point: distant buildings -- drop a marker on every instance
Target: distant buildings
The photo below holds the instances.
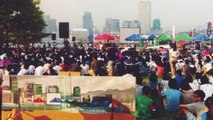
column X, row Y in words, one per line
column 112, row 26
column 145, row 16
column 88, row 24
column 131, row 24
column 156, row 26
column 51, row 24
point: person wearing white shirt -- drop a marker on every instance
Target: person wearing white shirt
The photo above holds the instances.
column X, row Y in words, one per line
column 23, row 70
column 207, row 66
column 173, row 55
column 47, row 65
column 84, row 69
column 31, row 70
column 206, row 87
column 40, row 70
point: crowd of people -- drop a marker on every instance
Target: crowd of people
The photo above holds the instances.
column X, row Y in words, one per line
column 180, row 77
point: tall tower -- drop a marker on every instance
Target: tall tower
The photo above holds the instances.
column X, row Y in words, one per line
column 88, row 24
column 145, row 16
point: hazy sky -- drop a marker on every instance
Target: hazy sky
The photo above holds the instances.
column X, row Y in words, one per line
column 184, row 14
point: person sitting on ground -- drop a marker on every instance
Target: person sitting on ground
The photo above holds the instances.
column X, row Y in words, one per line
column 171, row 99
column 206, row 86
column 154, row 83
column 187, row 93
column 179, row 78
column 143, row 104
column 185, row 69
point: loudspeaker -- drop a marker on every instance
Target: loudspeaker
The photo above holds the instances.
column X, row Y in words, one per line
column 73, row 39
column 63, row 30
column 53, row 36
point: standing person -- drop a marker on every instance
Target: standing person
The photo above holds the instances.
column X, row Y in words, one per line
column 143, row 104
column 197, row 107
column 173, row 54
column 145, row 45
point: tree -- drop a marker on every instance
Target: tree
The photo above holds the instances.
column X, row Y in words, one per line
column 21, row 21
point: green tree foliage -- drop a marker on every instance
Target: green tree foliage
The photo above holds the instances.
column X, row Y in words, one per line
column 21, row 21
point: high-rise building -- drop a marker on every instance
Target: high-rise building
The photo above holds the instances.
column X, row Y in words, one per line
column 112, row 26
column 131, row 24
column 51, row 25
column 156, row 26
column 145, row 16
column 88, row 24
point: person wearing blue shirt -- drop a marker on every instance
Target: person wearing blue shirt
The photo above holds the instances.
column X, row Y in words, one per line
column 171, row 99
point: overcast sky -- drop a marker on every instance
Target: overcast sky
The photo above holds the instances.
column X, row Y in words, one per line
column 184, row 14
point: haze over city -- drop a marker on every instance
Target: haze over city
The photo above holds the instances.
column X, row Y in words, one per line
column 184, row 14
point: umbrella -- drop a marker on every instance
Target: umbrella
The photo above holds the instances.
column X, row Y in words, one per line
column 104, row 37
column 151, row 37
column 163, row 37
column 134, row 37
column 201, row 38
column 56, row 100
column 183, row 36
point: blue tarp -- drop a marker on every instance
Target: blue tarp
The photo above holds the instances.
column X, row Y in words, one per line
column 151, row 37
column 201, row 38
column 134, row 37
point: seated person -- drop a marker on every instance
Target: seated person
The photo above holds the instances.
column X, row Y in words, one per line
column 143, row 104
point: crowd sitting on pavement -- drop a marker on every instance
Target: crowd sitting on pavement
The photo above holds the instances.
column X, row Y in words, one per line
column 182, row 77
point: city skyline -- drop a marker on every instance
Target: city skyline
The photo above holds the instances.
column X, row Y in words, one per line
column 181, row 13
